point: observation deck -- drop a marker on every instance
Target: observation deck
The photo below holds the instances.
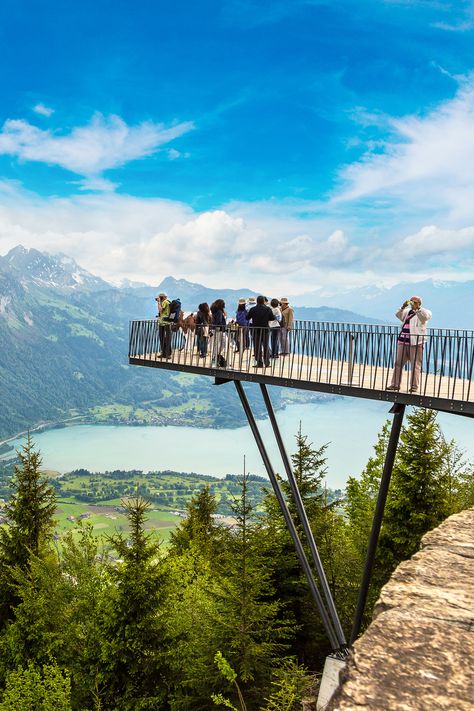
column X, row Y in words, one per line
column 339, row 358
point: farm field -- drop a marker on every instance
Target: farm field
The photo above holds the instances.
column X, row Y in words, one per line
column 97, row 498
column 107, row 519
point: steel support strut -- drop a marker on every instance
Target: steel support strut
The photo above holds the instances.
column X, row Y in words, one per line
column 398, row 411
column 333, row 640
column 304, row 520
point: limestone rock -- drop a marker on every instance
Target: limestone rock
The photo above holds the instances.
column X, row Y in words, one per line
column 418, row 653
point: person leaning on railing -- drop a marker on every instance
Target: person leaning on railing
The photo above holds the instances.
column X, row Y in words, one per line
column 410, row 342
column 164, row 325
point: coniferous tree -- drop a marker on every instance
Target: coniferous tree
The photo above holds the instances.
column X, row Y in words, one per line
column 198, row 530
column 29, row 517
column 418, row 500
column 86, row 586
column 37, row 633
column 361, row 494
column 309, row 469
column 252, row 625
column 133, row 648
column 45, row 688
column 310, row 643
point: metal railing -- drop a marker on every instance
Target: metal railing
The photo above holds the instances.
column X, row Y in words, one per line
column 346, row 354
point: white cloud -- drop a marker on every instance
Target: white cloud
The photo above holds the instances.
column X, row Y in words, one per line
column 117, row 236
column 425, row 165
column 104, row 143
column 432, row 240
column 43, row 110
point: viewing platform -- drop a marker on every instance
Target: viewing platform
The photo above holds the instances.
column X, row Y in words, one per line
column 338, row 358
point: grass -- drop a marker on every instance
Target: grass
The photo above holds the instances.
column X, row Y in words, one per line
column 106, row 520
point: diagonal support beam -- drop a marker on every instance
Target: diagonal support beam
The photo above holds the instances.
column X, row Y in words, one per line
column 398, row 411
column 333, row 640
column 304, row 520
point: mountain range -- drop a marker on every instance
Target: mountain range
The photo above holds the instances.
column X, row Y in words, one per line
column 451, row 302
column 64, row 345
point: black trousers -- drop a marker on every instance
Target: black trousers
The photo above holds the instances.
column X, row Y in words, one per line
column 165, row 340
column 260, row 345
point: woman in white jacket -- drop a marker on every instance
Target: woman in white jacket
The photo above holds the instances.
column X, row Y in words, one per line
column 410, row 342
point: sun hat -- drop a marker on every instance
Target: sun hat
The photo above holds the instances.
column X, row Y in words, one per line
column 162, row 293
column 284, row 300
column 242, row 300
column 252, row 300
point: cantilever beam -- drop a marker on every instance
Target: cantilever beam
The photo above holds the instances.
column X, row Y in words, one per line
column 328, row 625
column 304, row 519
column 398, row 413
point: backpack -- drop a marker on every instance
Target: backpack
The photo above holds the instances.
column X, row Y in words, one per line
column 241, row 318
column 175, row 310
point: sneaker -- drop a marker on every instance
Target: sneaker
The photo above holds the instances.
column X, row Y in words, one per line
column 392, row 387
column 413, row 390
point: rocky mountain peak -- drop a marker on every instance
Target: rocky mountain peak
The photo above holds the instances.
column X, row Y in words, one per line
column 30, row 266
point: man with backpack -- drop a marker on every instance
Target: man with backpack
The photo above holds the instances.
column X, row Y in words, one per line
column 164, row 324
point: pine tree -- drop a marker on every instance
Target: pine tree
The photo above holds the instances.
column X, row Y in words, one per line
column 38, row 631
column 361, row 494
column 199, row 530
column 29, row 517
column 133, row 648
column 309, row 469
column 46, row 688
column 329, row 529
column 418, row 496
column 251, row 623
column 86, row 584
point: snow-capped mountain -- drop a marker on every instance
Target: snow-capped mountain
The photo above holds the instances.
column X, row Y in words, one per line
column 58, row 271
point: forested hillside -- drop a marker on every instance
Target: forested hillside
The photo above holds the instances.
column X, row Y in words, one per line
column 222, row 616
column 64, row 345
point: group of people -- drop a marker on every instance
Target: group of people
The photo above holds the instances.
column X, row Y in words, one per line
column 260, row 323
column 265, row 325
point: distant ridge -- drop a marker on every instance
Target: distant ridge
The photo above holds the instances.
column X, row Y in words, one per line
column 451, row 302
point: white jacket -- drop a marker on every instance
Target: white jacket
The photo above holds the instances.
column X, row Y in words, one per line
column 417, row 324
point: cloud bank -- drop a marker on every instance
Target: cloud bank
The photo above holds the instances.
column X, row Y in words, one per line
column 402, row 211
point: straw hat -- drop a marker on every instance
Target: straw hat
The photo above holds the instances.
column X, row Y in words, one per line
column 242, row 300
column 284, row 300
column 162, row 294
column 252, row 300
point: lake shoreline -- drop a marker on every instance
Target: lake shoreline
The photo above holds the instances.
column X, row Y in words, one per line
column 88, row 421
column 350, row 427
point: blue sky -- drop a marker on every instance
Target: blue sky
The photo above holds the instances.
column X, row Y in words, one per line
column 306, row 142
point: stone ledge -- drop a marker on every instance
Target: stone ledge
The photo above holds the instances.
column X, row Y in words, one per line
column 418, row 653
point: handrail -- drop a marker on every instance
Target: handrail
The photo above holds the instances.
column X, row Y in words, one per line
column 342, row 354
column 344, row 326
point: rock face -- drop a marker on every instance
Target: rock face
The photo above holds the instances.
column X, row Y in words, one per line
column 418, row 653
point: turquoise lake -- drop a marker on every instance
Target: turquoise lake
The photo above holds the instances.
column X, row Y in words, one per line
column 350, row 425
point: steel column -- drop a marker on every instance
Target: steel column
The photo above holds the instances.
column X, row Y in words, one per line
column 304, row 519
column 399, row 411
column 333, row 640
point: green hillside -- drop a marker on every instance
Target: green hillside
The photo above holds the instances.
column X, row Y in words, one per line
column 64, row 346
